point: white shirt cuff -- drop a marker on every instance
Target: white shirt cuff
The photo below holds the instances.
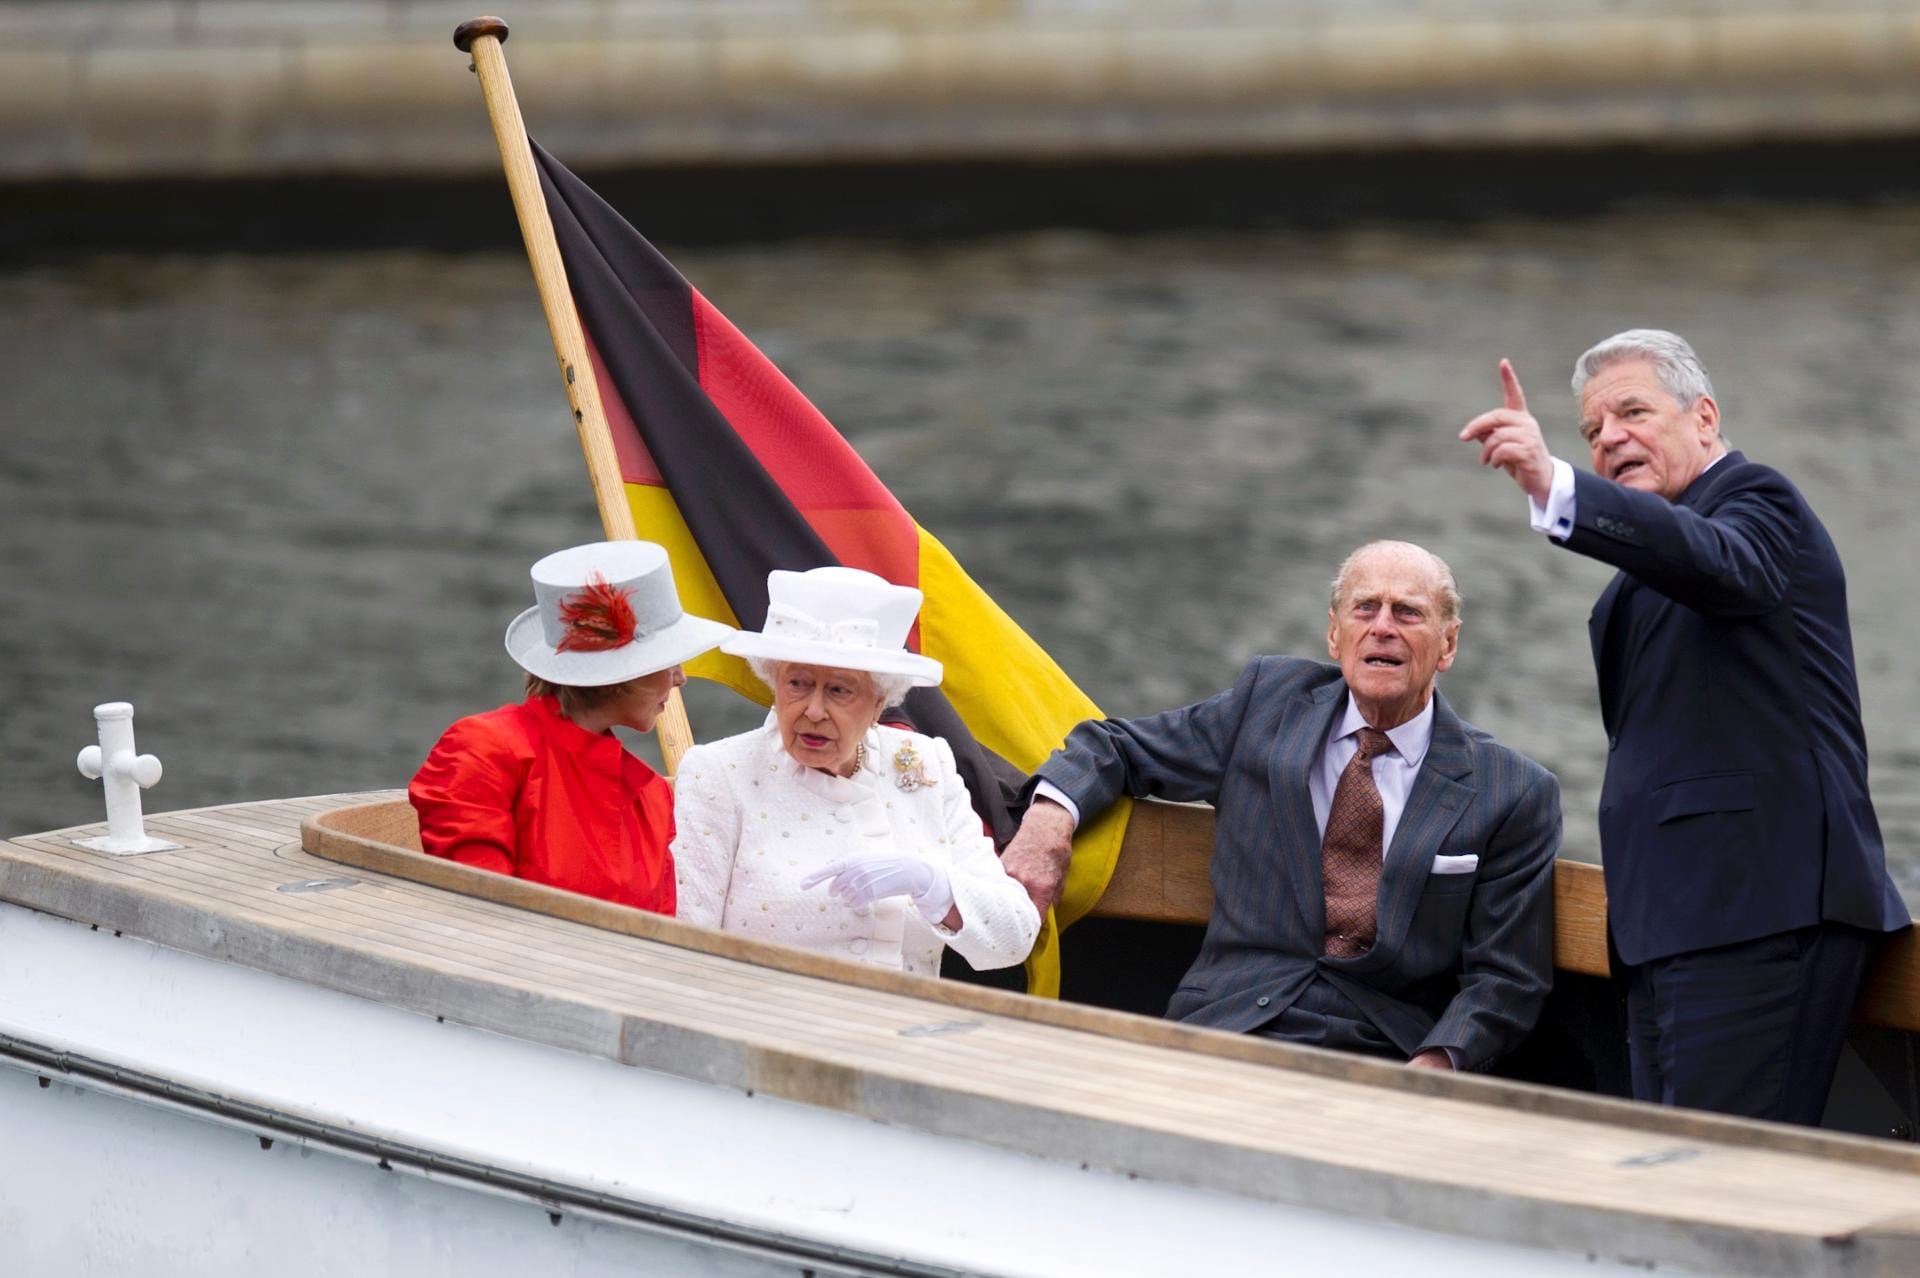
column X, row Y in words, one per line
column 1045, row 789
column 1556, row 517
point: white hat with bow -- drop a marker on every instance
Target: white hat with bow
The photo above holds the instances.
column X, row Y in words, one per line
column 845, row 618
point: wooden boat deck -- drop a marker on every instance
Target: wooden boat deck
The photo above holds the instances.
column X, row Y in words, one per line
column 1461, row 1155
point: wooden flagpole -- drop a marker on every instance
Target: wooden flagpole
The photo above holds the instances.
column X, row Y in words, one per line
column 482, row 38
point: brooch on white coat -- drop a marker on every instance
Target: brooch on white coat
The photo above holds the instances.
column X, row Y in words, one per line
column 910, row 770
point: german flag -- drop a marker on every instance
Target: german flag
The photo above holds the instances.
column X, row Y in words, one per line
column 730, row 468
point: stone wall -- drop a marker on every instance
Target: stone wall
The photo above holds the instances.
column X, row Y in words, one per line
column 207, row 88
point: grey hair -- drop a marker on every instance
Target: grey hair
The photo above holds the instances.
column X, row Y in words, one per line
column 1449, row 593
column 1674, row 362
column 891, row 688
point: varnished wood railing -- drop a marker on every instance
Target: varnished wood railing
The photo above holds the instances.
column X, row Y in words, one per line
column 1162, row 878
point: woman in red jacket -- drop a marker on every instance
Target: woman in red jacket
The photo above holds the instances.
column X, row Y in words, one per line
column 543, row 790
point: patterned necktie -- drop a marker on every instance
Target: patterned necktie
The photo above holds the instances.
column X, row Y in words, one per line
column 1350, row 853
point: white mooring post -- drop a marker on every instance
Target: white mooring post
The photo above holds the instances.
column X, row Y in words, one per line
column 123, row 774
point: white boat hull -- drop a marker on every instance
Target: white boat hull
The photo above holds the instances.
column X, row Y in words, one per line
column 200, row 1118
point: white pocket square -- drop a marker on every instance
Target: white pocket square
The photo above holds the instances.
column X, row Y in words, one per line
column 1456, row 864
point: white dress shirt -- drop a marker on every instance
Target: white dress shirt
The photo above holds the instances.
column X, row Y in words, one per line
column 1393, row 770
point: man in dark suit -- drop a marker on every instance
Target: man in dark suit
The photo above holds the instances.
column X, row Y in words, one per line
column 1382, row 872
column 1746, row 881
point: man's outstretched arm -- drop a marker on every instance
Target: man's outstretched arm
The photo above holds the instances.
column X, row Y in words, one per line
column 1179, row 755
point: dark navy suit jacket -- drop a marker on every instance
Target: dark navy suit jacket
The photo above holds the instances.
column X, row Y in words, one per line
column 1735, row 803
column 1459, row 960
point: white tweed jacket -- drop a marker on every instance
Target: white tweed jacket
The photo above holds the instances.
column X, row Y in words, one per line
column 751, row 823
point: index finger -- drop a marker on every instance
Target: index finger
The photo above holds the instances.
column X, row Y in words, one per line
column 1510, row 384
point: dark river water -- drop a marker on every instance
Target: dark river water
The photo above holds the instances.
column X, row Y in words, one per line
column 286, row 503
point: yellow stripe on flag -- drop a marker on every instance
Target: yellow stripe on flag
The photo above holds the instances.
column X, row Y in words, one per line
column 1019, row 704
column 656, row 517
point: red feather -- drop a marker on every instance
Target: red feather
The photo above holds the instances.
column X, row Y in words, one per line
column 598, row 618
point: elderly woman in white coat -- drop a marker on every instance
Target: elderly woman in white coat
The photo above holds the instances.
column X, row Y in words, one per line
column 823, row 828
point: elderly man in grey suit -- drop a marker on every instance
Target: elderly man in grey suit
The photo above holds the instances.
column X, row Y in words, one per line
column 1382, row 871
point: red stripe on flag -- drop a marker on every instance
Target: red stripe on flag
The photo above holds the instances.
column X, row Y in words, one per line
column 821, row 475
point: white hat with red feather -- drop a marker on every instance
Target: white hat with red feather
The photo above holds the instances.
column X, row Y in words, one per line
column 605, row 613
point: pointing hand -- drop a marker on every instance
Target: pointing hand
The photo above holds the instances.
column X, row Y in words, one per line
column 1510, row 439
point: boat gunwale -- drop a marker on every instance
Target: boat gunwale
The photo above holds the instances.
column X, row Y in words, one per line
column 327, row 835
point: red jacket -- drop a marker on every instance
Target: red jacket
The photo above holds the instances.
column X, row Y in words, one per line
column 525, row 791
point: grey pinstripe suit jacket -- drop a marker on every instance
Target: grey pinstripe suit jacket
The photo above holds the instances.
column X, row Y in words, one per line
column 1460, row 960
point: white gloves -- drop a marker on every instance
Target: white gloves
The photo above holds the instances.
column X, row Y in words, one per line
column 859, row 881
